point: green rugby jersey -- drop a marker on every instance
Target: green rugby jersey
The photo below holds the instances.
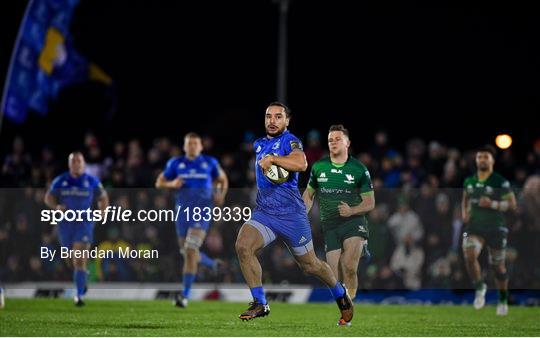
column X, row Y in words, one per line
column 496, row 188
column 334, row 183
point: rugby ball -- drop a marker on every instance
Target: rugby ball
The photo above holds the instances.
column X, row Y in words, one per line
column 276, row 174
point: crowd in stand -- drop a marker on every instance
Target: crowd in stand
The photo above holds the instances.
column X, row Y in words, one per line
column 415, row 229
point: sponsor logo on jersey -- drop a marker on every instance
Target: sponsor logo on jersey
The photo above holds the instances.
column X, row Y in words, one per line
column 335, row 191
column 302, row 240
column 74, row 191
column 322, row 178
column 336, row 171
column 367, row 174
column 296, row 145
column 194, row 174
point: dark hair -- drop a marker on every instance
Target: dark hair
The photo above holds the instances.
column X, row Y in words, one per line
column 192, row 134
column 339, row 127
column 285, row 108
column 488, row 148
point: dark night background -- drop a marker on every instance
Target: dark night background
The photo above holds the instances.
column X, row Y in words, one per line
column 456, row 71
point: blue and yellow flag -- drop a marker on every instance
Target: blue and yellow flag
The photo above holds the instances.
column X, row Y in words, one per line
column 44, row 60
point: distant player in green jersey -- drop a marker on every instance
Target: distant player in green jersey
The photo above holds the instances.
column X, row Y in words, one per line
column 486, row 197
column 345, row 192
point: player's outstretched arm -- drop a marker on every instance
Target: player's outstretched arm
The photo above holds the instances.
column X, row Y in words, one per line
column 295, row 161
column 465, row 207
column 221, row 186
column 308, row 196
column 367, row 204
column 51, row 201
column 512, row 202
column 163, row 183
column 103, row 200
column 507, row 203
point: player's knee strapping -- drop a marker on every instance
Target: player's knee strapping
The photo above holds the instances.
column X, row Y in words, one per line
column 471, row 243
column 193, row 242
column 497, row 258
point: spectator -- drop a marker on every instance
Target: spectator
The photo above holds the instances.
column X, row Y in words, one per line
column 313, row 149
column 17, row 166
column 405, row 223
column 407, row 262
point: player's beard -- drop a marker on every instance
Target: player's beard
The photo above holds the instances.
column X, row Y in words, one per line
column 483, row 167
column 276, row 133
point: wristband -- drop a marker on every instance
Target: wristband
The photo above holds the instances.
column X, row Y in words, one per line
column 504, row 205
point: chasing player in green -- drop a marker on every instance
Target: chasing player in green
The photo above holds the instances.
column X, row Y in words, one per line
column 486, row 197
column 345, row 192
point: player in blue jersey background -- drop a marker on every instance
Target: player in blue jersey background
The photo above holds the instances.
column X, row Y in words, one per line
column 76, row 190
column 280, row 212
column 199, row 182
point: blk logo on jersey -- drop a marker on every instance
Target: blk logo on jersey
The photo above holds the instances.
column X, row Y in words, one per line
column 350, row 179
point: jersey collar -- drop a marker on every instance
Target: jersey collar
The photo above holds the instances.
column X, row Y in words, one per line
column 339, row 165
column 484, row 180
column 73, row 178
column 193, row 160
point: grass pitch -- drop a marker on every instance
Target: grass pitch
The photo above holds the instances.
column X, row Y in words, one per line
column 58, row 317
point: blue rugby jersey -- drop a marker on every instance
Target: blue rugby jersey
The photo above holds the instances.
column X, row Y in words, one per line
column 76, row 193
column 272, row 198
column 198, row 175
